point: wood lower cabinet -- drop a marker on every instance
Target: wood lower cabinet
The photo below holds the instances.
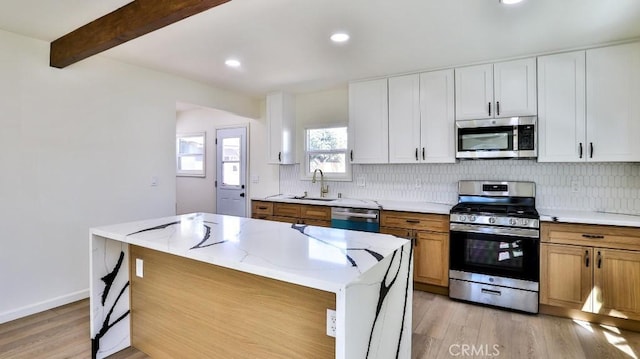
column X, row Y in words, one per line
column 292, row 213
column 591, row 268
column 566, row 276
column 430, row 236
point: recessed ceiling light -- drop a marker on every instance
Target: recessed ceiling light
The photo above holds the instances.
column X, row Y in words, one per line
column 232, row 63
column 510, row 2
column 340, row 37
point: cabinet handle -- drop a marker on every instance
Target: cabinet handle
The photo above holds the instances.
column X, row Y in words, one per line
column 593, row 236
column 413, row 221
column 262, row 207
column 497, row 108
column 586, row 259
column 580, row 150
column 351, row 155
column 417, row 154
column 590, row 149
column 489, row 109
column 491, row 292
column 599, row 260
column 279, row 156
column 423, row 157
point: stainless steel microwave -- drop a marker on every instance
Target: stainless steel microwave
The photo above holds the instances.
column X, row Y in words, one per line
column 511, row 137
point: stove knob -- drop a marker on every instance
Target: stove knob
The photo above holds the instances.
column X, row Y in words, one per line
column 472, row 218
column 463, row 218
column 525, row 222
column 513, row 221
column 492, row 220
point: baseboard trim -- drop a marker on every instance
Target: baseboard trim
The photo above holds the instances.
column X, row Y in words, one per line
column 42, row 306
column 576, row 314
column 436, row 289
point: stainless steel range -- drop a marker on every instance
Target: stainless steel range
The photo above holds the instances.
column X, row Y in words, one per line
column 494, row 252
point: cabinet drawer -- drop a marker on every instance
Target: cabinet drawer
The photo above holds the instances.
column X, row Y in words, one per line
column 315, row 212
column 591, row 235
column 285, row 219
column 418, row 221
column 286, row 209
column 260, row 207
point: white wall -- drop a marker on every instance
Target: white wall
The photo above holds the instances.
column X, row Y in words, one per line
column 197, row 194
column 78, row 148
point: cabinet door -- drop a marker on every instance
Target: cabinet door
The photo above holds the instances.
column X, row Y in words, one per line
column 437, row 135
column 404, row 119
column 280, row 128
column 431, row 258
column 617, row 282
column 613, row 105
column 474, row 92
column 398, row 232
column 561, row 108
column 515, row 88
column 368, row 122
column 566, row 276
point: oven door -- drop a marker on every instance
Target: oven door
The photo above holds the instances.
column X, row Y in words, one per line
column 495, row 251
column 494, row 138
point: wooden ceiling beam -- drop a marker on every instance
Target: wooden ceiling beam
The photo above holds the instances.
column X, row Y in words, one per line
column 127, row 23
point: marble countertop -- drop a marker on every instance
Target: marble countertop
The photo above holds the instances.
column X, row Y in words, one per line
column 587, row 217
column 322, row 258
column 390, row 205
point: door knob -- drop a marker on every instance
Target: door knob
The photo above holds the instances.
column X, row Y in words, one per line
column 242, row 194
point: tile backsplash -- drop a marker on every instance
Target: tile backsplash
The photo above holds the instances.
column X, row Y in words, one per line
column 610, row 187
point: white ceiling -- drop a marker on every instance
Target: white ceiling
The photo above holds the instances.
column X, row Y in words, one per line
column 284, row 44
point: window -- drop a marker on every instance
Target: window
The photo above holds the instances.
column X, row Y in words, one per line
column 190, row 155
column 326, row 149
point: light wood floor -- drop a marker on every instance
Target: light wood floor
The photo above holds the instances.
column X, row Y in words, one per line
column 441, row 329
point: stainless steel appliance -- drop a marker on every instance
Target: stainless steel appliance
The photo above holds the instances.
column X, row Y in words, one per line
column 513, row 137
column 359, row 219
column 494, row 251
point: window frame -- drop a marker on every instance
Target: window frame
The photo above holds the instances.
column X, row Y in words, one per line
column 191, row 173
column 305, row 175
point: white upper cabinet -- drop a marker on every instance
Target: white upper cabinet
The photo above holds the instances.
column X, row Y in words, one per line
column 613, row 103
column 437, row 135
column 281, row 127
column 368, row 122
column 515, row 88
column 561, row 108
column 474, row 92
column 404, row 119
column 504, row 89
column 421, row 118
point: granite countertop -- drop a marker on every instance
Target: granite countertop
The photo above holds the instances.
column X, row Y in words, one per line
column 588, row 217
column 322, row 258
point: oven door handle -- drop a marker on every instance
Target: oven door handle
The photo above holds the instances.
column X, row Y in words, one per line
column 503, row 231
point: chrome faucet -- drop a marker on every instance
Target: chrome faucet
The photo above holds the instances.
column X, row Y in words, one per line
column 324, row 189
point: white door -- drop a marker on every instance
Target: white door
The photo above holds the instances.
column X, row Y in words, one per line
column 515, row 88
column 561, row 108
column 231, row 165
column 368, row 122
column 404, row 119
column 474, row 92
column 437, row 113
column 613, row 105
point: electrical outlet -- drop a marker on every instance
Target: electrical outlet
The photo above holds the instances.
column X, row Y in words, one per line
column 331, row 322
column 360, row 181
column 154, row 181
column 139, row 267
column 575, row 186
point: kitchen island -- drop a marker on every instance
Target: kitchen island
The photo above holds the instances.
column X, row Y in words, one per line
column 205, row 285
